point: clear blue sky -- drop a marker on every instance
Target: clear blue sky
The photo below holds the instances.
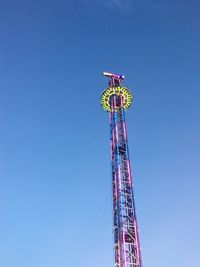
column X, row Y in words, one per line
column 55, row 182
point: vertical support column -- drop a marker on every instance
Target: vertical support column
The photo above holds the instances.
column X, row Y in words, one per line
column 115, row 184
column 126, row 240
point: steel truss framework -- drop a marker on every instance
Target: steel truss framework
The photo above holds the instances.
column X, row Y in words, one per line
column 126, row 239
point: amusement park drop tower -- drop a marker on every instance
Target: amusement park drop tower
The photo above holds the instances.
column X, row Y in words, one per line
column 115, row 100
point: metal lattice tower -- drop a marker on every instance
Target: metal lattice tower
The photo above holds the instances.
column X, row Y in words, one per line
column 115, row 100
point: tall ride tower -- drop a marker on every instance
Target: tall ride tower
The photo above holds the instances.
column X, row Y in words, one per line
column 115, row 100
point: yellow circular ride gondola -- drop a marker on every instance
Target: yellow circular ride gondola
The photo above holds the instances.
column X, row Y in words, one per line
column 119, row 91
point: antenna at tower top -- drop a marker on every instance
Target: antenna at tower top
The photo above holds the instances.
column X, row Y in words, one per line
column 115, row 79
column 112, row 75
